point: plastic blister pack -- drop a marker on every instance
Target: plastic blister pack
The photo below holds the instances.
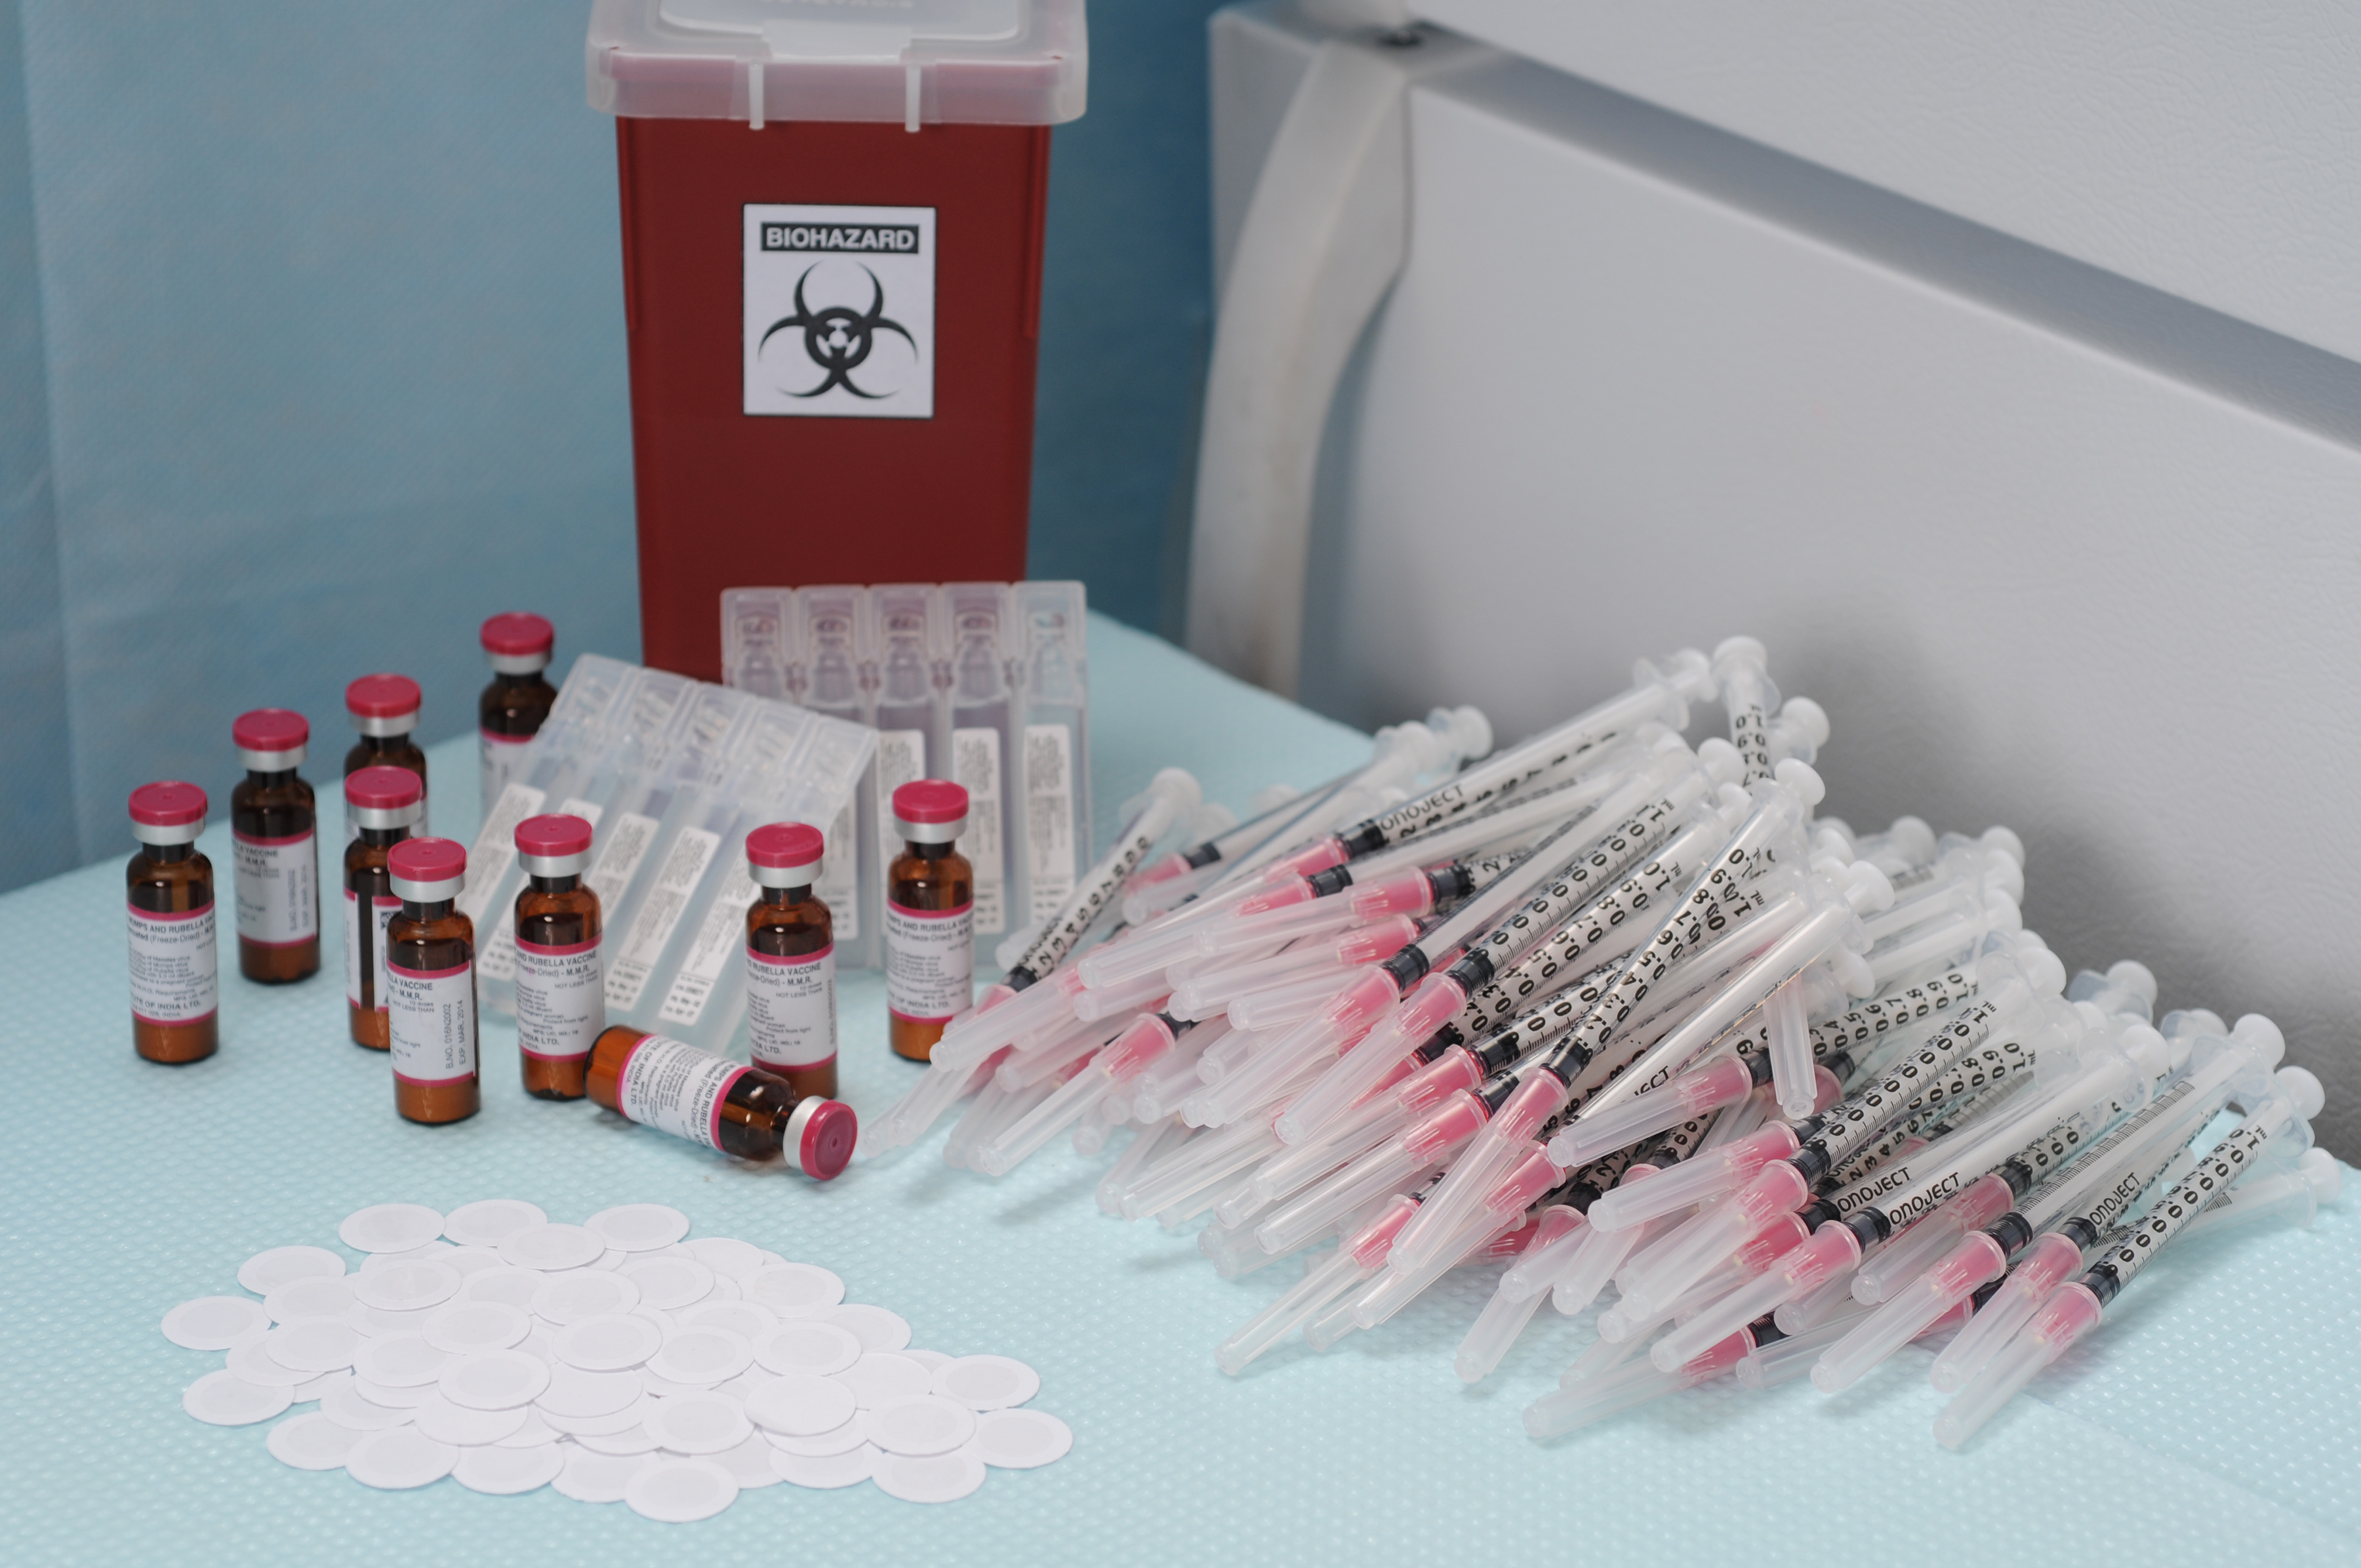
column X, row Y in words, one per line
column 672, row 773
column 984, row 684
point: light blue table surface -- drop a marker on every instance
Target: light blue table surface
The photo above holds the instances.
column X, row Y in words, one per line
column 2217, row 1412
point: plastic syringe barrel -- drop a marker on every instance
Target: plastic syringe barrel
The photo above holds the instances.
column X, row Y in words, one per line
column 1172, row 794
column 1505, row 1316
column 1329, row 1278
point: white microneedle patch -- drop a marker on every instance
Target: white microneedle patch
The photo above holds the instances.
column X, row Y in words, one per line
column 391, row 1397
column 1019, row 1439
column 319, row 1387
column 698, row 1423
column 590, row 1478
column 534, row 1433
column 390, row 1227
column 491, row 1220
column 825, row 1472
column 314, row 1347
column 601, row 1426
column 795, row 1289
column 462, row 1427
column 226, row 1399
column 471, row 1261
column 932, row 1360
column 607, row 1344
column 574, row 1392
column 267, row 1271
column 639, row 1227
column 729, row 1256
column 748, row 1319
column 305, row 1299
column 494, row 1380
column 414, row 1254
column 930, row 1478
column 800, row 1404
column 216, row 1322
column 508, row 1284
column 881, row 1376
column 987, row 1382
column 348, row 1407
column 681, row 1491
column 463, row 1328
column 812, row 1346
column 669, row 1280
column 253, row 1361
column 549, row 1247
column 631, row 1439
column 920, row 1424
column 400, row 1459
column 567, row 1299
column 310, row 1442
column 375, row 1321
column 701, row 1357
column 504, row 1472
column 874, row 1327
column 408, row 1286
column 400, row 1360
column 853, row 1434
column 749, row 1464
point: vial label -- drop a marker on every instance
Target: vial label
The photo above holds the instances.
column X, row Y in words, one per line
column 430, row 1016
column 659, row 914
column 494, row 853
column 840, row 876
column 719, row 935
column 676, row 1089
column 499, row 756
column 975, row 767
column 278, row 889
column 930, row 963
column 791, row 1008
column 1048, row 819
column 618, row 858
column 575, row 805
column 497, row 959
column 901, row 758
column 174, row 974
column 561, row 999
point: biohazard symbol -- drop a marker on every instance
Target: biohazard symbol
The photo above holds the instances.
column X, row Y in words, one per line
column 839, row 338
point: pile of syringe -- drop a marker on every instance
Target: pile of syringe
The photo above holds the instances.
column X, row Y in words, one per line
column 1621, row 1010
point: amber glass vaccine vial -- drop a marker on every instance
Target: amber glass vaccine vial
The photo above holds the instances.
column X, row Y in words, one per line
column 720, row 1104
column 790, row 960
column 430, row 983
column 930, row 918
column 385, row 801
column 512, row 709
column 384, row 708
column 275, row 849
column 175, row 972
column 560, row 986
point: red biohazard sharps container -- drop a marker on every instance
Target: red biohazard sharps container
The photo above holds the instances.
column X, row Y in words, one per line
column 832, row 223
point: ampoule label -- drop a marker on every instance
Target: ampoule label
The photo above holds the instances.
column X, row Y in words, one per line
column 497, row 957
column 278, row 889
column 840, row 877
column 975, row 767
column 431, row 1016
column 719, row 936
column 624, row 846
column 368, row 956
column 653, row 927
column 1048, row 819
column 676, row 1089
column 930, row 963
column 498, row 754
column 175, row 976
column 575, row 805
column 495, row 848
column 901, row 759
column 791, row 1007
column 561, row 999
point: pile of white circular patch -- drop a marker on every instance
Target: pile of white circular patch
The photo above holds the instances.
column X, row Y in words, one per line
column 614, row 1360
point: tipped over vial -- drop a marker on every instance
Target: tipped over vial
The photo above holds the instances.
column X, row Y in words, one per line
column 512, row 710
column 384, row 708
column 275, row 849
column 790, row 959
column 930, row 918
column 175, row 970
column 726, row 1106
column 430, row 981
column 384, row 803
column 561, row 984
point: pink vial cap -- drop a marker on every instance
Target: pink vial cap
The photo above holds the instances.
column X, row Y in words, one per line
column 427, row 859
column 784, row 846
column 928, row 801
column 269, row 730
column 826, row 1146
column 518, row 633
column 548, row 837
column 169, row 803
column 383, row 788
column 381, row 697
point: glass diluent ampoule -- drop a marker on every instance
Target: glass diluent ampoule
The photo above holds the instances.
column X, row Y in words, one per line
column 512, row 710
column 727, row 1106
column 790, row 959
column 930, row 918
column 384, row 708
column 275, row 849
column 430, row 983
column 175, row 972
column 561, row 985
column 385, row 801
